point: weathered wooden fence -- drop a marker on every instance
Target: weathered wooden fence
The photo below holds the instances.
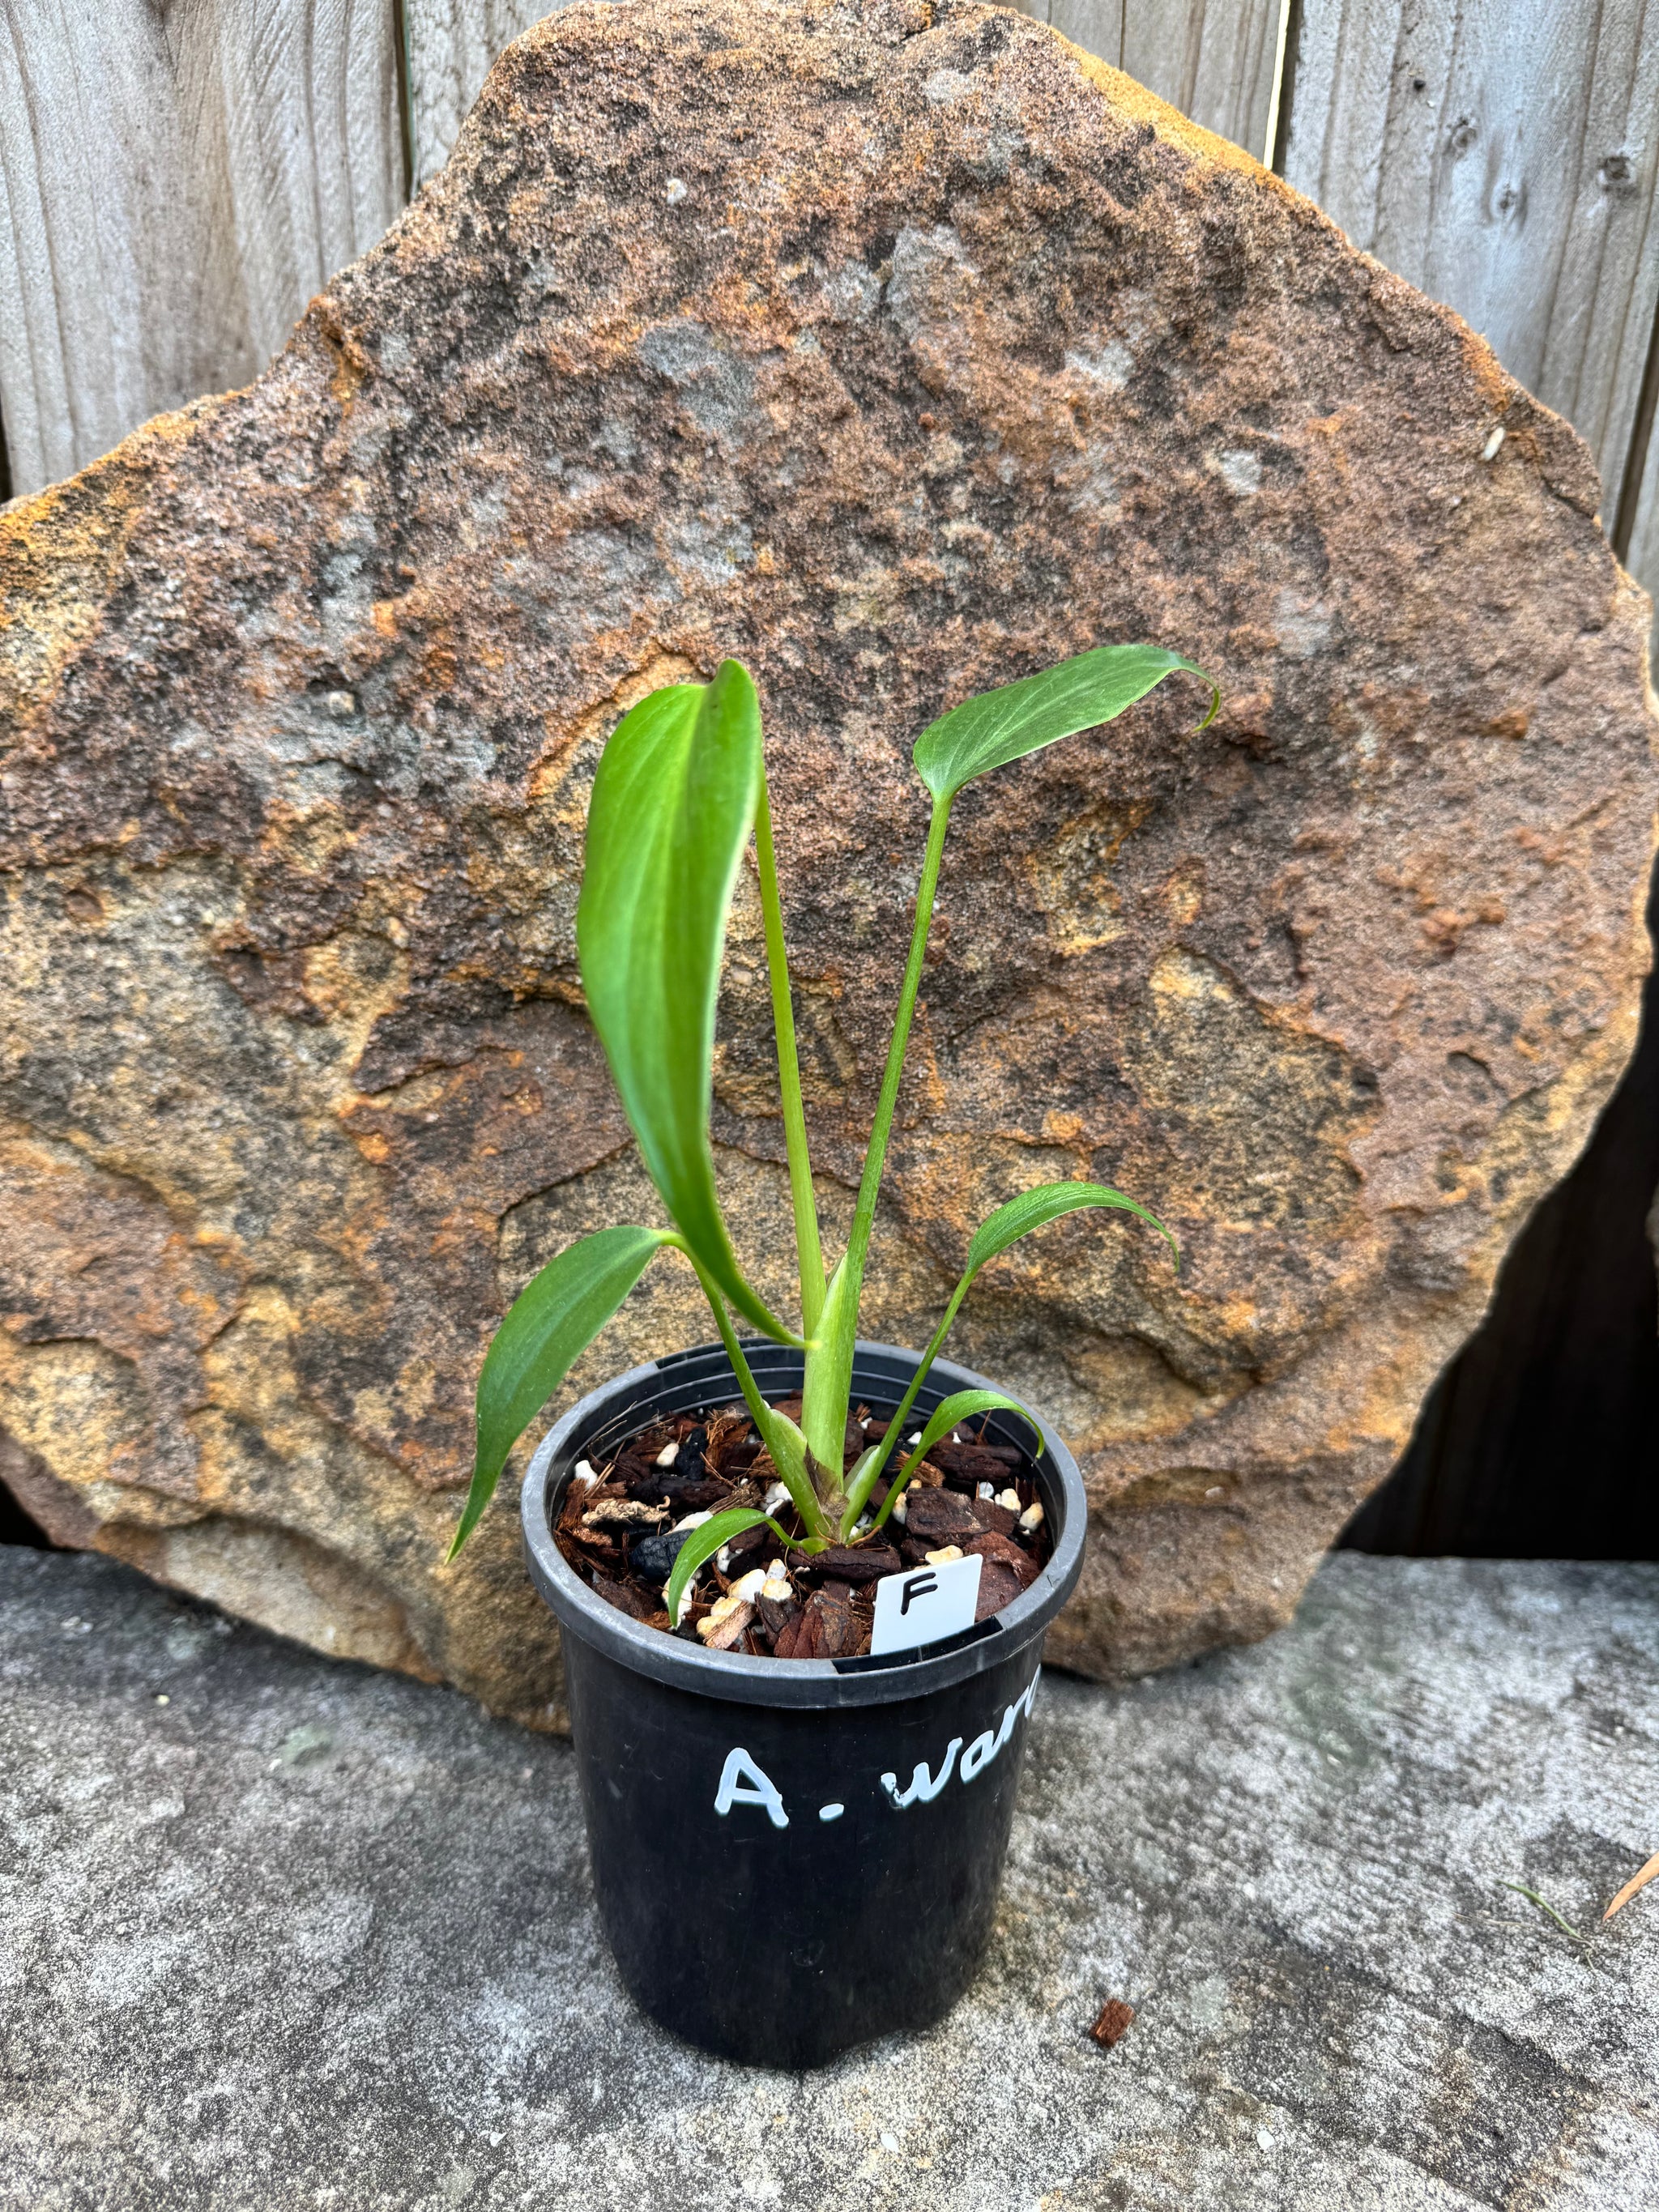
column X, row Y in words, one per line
column 177, row 177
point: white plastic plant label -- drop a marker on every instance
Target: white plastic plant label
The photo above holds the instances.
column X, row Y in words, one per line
column 924, row 1604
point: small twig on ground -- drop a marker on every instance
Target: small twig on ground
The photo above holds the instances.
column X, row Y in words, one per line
column 1638, row 1880
column 1544, row 1906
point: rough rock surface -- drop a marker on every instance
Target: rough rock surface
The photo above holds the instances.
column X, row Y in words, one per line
column 304, row 1935
column 898, row 355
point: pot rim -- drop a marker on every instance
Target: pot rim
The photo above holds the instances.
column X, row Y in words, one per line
column 736, row 1677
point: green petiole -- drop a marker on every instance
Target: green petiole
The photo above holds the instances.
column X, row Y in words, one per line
column 807, row 1247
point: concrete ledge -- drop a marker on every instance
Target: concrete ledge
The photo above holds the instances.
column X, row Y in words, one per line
column 303, row 1935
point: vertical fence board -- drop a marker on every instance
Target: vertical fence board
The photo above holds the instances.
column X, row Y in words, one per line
column 1216, row 60
column 307, row 96
column 451, row 44
column 174, row 184
column 1643, row 557
column 1502, row 155
column 90, row 130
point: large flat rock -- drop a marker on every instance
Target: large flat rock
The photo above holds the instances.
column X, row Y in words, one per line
column 899, row 349
column 305, row 1934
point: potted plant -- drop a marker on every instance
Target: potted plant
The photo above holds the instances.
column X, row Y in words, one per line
column 799, row 1657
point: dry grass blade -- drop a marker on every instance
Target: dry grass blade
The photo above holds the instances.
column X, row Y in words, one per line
column 1638, row 1880
column 1544, row 1906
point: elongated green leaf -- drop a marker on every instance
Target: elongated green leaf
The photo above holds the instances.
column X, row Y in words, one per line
column 1032, row 1208
column 960, row 1405
column 1005, row 724
column 551, row 1321
column 702, row 1544
column 673, row 802
column 1029, row 1211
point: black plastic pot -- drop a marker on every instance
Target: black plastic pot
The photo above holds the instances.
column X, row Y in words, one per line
column 847, row 1888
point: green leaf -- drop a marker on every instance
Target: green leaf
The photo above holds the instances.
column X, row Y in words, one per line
column 702, row 1544
column 551, row 1321
column 961, row 1405
column 1032, row 1208
column 959, row 1408
column 673, row 802
column 1005, row 724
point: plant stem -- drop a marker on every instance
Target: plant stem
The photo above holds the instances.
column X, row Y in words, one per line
column 775, row 1432
column 860, row 1489
column 864, row 1213
column 829, row 1360
column 807, row 1246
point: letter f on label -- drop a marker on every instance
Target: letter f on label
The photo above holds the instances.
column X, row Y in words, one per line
column 743, row 1782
